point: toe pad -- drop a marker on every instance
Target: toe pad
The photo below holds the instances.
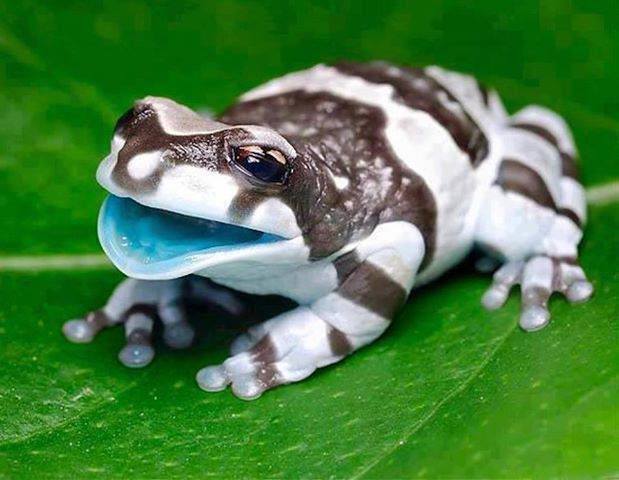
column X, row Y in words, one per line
column 78, row 331
column 136, row 356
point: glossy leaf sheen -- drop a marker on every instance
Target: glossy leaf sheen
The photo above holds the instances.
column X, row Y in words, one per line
column 449, row 391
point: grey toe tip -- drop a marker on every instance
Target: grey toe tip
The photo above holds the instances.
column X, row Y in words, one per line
column 247, row 390
column 240, row 344
column 179, row 336
column 136, row 356
column 212, row 379
column 579, row 292
column 534, row 318
column 493, row 299
column 78, row 331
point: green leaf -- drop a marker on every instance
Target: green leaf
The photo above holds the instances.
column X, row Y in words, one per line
column 449, row 391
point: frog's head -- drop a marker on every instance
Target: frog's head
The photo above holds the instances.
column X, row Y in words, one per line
column 189, row 195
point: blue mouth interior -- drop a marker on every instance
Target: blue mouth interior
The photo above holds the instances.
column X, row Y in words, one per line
column 145, row 240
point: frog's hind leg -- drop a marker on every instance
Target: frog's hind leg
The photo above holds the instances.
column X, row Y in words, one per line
column 533, row 217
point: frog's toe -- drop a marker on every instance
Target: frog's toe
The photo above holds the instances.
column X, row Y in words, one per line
column 538, row 277
column 179, row 335
column 138, row 351
column 136, row 356
column 579, row 291
column 84, row 330
column 248, row 387
column 239, row 372
column 495, row 297
column 78, row 331
column 213, row 378
column 242, row 343
column 502, row 282
column 534, row 318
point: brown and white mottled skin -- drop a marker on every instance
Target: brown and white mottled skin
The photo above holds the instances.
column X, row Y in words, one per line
column 392, row 176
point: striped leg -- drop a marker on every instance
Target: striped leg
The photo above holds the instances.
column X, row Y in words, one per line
column 534, row 216
column 291, row 346
column 138, row 304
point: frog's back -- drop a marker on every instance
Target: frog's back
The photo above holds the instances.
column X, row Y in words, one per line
column 382, row 128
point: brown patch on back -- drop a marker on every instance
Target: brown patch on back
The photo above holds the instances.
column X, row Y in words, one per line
column 344, row 138
column 415, row 89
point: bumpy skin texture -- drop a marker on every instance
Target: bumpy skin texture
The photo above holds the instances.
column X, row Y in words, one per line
column 393, row 175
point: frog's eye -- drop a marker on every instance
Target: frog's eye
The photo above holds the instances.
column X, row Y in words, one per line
column 267, row 165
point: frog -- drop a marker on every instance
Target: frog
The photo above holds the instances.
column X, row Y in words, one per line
column 342, row 187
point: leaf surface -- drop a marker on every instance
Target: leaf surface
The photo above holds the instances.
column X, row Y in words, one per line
column 449, row 391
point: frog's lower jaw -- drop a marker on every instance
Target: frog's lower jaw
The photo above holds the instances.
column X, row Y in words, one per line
column 150, row 243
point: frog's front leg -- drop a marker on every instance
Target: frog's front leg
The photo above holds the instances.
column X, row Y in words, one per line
column 290, row 347
column 138, row 304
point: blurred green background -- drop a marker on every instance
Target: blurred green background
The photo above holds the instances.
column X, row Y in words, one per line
column 449, row 391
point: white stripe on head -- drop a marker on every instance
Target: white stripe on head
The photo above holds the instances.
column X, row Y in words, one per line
column 266, row 137
column 177, row 119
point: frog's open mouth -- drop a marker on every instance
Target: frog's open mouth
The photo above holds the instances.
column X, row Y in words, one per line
column 146, row 242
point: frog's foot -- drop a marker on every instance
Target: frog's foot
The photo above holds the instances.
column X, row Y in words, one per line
column 285, row 349
column 138, row 305
column 538, row 277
